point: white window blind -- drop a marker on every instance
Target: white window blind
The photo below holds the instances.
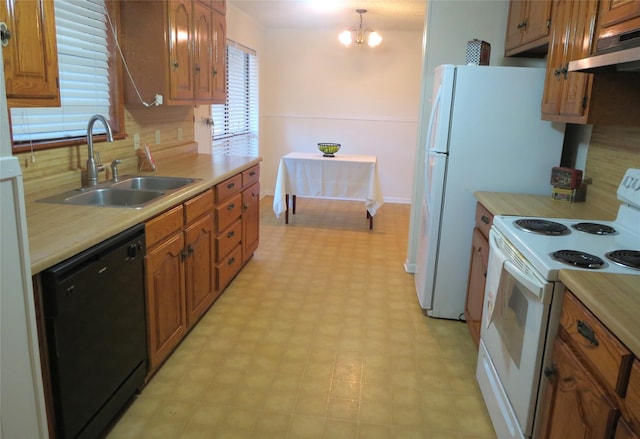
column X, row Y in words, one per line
column 82, row 38
column 235, row 123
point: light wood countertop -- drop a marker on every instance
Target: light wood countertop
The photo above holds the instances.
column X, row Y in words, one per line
column 613, row 298
column 59, row 231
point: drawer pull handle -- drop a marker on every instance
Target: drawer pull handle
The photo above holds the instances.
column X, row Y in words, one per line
column 252, row 173
column 484, row 219
column 231, row 185
column 231, row 261
column 231, row 206
column 587, row 332
column 231, row 234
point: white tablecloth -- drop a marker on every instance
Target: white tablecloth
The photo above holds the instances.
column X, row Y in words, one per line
column 347, row 177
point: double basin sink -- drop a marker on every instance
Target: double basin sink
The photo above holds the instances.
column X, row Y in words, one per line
column 131, row 192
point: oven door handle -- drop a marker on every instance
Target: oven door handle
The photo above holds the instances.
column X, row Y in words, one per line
column 527, row 275
column 531, row 282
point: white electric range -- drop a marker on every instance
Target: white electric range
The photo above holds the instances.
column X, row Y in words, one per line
column 523, row 298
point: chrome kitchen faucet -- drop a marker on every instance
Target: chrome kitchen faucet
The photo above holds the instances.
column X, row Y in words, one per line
column 92, row 168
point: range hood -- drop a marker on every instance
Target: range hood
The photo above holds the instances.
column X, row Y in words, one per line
column 618, row 53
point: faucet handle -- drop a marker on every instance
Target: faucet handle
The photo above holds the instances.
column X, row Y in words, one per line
column 114, row 170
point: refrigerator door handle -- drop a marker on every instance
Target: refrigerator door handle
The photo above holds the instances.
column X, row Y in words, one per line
column 432, row 118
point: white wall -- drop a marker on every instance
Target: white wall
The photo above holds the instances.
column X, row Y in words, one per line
column 313, row 90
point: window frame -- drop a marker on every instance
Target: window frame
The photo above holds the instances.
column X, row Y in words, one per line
column 116, row 113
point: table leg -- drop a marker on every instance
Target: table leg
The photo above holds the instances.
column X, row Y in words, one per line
column 370, row 217
column 294, row 204
column 286, row 208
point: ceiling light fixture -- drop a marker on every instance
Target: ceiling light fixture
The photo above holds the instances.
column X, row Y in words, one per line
column 373, row 38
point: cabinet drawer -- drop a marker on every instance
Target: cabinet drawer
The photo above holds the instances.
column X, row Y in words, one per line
column 228, row 212
column 228, row 239
column 228, row 187
column 163, row 225
column 198, row 206
column 593, row 341
column 229, row 267
column 484, row 219
column 250, row 176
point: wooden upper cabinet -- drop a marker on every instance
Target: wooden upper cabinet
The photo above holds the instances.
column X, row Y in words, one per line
column 528, row 28
column 566, row 94
column 180, row 55
column 30, row 56
column 174, row 53
column 203, row 35
column 219, row 6
column 618, row 16
column 219, row 59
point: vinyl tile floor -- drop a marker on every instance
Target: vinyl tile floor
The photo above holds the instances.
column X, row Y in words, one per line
column 319, row 336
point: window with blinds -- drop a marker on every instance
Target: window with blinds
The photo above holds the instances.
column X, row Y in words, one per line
column 235, row 123
column 83, row 63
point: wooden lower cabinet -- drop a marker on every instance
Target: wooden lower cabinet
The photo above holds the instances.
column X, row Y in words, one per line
column 578, row 407
column 200, row 275
column 194, row 251
column 250, row 221
column 166, row 311
column 594, row 381
column 478, row 272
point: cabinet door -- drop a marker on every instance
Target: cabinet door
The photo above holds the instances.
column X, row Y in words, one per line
column 203, row 49
column 166, row 313
column 575, row 95
column 200, row 268
column 578, row 408
column 515, row 24
column 623, row 431
column 30, row 57
column 219, row 72
column 180, row 58
column 537, row 20
column 477, row 280
column 250, row 221
column 566, row 94
column 617, row 11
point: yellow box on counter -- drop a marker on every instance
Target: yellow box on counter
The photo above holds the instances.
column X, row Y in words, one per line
column 569, row 195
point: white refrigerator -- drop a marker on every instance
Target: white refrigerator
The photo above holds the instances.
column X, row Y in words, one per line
column 484, row 134
column 22, row 407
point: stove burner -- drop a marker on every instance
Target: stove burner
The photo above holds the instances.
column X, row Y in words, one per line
column 578, row 259
column 626, row 258
column 542, row 227
column 594, row 228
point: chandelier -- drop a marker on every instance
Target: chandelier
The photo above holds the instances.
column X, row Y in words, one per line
column 372, row 38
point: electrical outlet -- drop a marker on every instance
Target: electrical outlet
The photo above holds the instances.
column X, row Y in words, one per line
column 179, row 133
column 136, row 141
column 157, row 137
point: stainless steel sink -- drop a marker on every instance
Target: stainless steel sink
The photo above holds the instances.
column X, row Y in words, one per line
column 105, row 196
column 113, row 197
column 131, row 192
column 153, row 183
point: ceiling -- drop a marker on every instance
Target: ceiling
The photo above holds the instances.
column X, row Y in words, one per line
column 392, row 15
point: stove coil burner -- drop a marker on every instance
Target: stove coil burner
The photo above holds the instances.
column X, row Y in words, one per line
column 578, row 259
column 594, row 228
column 626, row 258
column 542, row 227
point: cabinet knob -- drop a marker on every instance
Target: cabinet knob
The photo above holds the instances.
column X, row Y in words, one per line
column 197, row 68
column 231, row 234
column 231, row 206
column 230, row 185
column 5, row 34
column 484, row 219
column 231, row 261
column 175, row 65
column 550, row 371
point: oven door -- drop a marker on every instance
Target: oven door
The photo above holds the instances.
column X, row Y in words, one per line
column 513, row 335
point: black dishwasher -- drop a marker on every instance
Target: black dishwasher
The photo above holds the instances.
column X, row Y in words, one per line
column 94, row 310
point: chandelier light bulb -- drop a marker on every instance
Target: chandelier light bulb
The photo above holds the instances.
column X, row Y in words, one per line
column 374, row 39
column 345, row 38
